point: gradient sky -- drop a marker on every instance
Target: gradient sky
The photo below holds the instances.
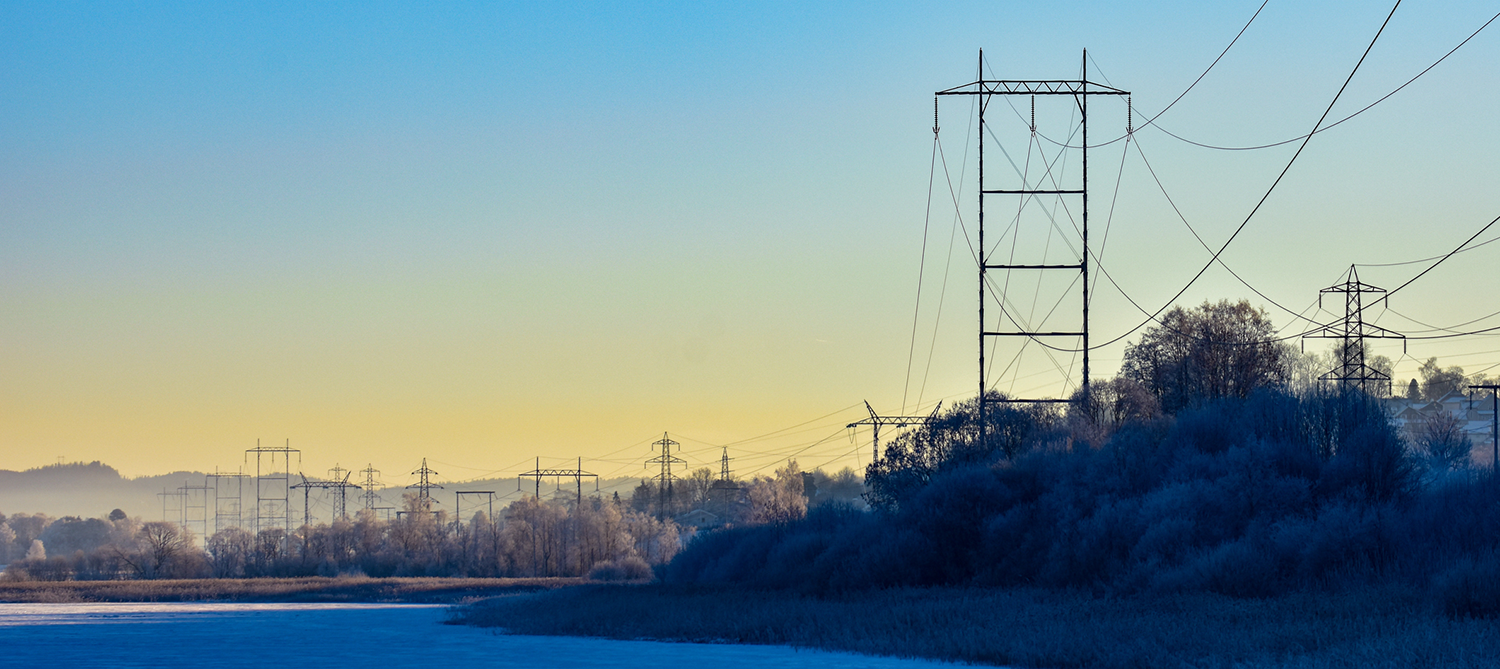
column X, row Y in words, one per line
column 483, row 233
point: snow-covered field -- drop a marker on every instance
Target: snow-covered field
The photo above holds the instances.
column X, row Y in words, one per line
column 386, row 635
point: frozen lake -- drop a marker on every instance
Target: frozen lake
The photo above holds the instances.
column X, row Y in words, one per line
column 385, row 635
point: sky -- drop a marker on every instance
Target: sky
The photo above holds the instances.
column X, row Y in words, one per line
column 493, row 232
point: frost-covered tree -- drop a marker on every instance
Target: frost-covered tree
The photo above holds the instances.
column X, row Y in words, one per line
column 1109, row 404
column 7, row 537
column 779, row 499
column 1215, row 350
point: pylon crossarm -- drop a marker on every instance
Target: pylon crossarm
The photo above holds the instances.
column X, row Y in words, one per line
column 1032, row 87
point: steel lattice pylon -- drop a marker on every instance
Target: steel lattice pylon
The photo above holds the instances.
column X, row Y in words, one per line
column 1352, row 331
column 1080, row 91
column 273, row 486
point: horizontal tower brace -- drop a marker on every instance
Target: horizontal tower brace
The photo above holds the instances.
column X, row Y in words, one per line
column 1033, row 87
column 1034, row 267
column 557, row 472
column 1033, row 334
column 1038, row 401
column 1032, row 192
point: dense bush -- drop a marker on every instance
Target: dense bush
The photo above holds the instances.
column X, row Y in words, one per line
column 1239, row 496
column 629, row 568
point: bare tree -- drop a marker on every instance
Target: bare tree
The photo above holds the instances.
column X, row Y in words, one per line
column 1442, row 440
column 1438, row 381
column 159, row 544
column 229, row 550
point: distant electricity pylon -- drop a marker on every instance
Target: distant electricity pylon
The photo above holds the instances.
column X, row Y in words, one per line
column 664, row 480
column 424, row 486
column 576, row 474
column 1019, row 324
column 337, row 485
column 875, row 421
column 723, row 492
column 458, row 503
column 1352, row 331
column 227, row 505
column 195, row 506
column 273, row 486
column 340, row 477
column 175, row 494
column 371, row 498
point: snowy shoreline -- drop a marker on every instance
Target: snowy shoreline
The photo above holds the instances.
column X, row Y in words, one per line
column 392, row 635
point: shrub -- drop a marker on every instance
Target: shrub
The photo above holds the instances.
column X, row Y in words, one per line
column 629, row 568
column 1470, row 588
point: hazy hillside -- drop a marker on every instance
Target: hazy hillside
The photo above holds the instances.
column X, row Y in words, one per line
column 93, row 489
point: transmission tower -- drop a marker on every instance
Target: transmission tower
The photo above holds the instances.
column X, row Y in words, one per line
column 664, row 480
column 723, row 492
column 576, row 474
column 1014, row 323
column 226, row 505
column 875, row 421
column 338, row 486
column 340, row 477
column 273, row 489
column 177, row 495
column 424, row 485
column 195, row 506
column 458, row 503
column 1352, row 331
column 370, row 497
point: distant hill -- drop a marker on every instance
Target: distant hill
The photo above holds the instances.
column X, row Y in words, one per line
column 93, row 489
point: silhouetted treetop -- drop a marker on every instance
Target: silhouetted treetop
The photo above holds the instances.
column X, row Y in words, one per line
column 1214, row 350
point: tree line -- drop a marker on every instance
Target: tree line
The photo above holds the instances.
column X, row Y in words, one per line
column 605, row 538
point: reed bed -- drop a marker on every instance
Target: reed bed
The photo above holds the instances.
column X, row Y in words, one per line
column 311, row 589
column 1368, row 628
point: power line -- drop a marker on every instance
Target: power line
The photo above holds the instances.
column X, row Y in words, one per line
column 948, row 264
column 1445, row 256
column 1422, row 260
column 1279, row 177
column 1336, row 123
column 911, row 351
column 1435, row 328
column 1152, row 120
column 1205, row 245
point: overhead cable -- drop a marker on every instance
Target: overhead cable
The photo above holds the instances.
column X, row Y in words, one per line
column 1270, row 190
